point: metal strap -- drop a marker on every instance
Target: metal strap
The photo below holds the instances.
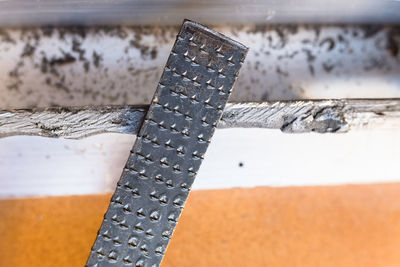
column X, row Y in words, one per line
column 164, row 161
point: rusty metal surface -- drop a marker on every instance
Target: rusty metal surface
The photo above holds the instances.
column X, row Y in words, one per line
column 164, row 161
column 78, row 66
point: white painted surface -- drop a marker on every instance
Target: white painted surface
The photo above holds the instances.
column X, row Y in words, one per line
column 277, row 67
column 31, row 166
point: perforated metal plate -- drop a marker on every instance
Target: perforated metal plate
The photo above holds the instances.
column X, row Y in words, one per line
column 164, row 161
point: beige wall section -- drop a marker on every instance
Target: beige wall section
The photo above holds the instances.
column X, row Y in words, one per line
column 356, row 225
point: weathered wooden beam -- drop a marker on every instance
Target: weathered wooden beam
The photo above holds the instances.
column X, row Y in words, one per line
column 322, row 116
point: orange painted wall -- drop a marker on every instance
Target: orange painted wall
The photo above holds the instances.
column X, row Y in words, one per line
column 296, row 226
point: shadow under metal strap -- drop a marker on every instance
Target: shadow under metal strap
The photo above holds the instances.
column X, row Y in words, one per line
column 164, row 161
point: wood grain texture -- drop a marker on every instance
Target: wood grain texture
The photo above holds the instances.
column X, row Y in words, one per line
column 328, row 226
column 320, row 116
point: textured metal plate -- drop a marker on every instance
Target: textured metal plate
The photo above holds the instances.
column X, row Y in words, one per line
column 164, row 161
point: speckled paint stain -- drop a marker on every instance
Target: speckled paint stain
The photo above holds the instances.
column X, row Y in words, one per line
column 77, row 66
